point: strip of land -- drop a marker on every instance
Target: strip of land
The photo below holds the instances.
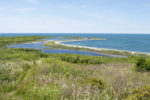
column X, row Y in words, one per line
column 61, row 45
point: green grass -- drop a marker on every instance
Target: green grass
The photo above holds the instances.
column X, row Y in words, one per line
column 9, row 54
column 84, row 59
column 28, row 74
column 18, row 39
column 52, row 76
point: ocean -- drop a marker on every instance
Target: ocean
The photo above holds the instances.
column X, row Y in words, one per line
column 127, row 42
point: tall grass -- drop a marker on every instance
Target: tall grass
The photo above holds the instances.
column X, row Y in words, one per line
column 51, row 77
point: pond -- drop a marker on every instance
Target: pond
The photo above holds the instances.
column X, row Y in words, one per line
column 44, row 49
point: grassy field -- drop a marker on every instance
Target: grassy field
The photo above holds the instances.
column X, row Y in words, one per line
column 28, row 74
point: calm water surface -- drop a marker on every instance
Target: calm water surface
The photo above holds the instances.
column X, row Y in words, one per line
column 39, row 45
column 128, row 42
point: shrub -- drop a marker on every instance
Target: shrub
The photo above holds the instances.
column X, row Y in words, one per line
column 142, row 93
column 147, row 67
column 80, row 59
column 142, row 64
column 86, row 59
column 95, row 83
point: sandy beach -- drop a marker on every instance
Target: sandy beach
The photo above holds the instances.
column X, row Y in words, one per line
column 93, row 48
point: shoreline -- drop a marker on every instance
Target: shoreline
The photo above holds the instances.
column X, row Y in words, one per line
column 94, row 48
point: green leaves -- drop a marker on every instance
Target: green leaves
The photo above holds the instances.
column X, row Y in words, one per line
column 142, row 64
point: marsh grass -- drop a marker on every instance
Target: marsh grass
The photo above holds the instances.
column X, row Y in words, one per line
column 4, row 41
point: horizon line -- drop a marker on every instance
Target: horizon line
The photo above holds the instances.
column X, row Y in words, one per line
column 63, row 33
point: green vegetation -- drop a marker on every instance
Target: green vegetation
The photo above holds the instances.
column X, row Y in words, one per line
column 18, row 39
column 83, row 59
column 28, row 74
column 142, row 93
column 142, row 64
column 96, row 82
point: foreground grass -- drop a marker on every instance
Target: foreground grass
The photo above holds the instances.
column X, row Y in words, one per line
column 27, row 74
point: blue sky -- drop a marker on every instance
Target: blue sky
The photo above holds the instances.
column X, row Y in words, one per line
column 75, row 16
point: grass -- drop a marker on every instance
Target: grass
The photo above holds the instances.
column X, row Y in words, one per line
column 27, row 74
column 84, row 59
column 18, row 39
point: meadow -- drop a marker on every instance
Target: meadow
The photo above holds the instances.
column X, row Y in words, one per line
column 28, row 74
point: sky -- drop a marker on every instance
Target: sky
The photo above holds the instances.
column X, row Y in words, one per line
column 74, row 16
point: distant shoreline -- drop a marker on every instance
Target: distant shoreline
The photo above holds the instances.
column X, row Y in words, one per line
column 95, row 48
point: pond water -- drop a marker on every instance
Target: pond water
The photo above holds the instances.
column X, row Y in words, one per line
column 39, row 45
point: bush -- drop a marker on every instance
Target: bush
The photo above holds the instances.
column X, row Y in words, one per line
column 142, row 64
column 86, row 59
column 81, row 59
column 95, row 83
column 141, row 93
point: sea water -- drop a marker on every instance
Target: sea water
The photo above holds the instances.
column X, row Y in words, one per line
column 128, row 42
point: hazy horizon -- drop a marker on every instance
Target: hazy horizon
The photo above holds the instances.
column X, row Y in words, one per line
column 72, row 33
